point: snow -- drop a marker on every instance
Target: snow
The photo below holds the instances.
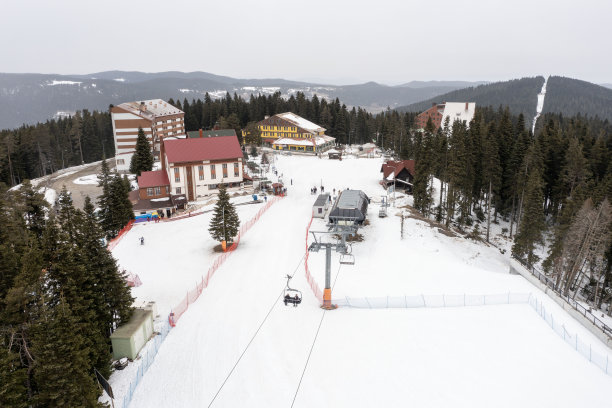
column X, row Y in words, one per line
column 185, row 90
column 66, row 174
column 89, row 179
column 50, row 195
column 475, row 356
column 540, row 104
column 56, row 82
column 120, row 79
column 457, row 111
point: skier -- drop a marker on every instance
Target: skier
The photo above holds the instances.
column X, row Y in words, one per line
column 296, row 300
column 141, row 240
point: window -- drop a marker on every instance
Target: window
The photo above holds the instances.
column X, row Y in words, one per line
column 236, row 170
column 167, row 190
column 120, row 161
column 213, row 172
column 201, row 172
column 157, row 190
column 149, row 191
column 320, row 210
column 177, row 175
column 212, row 186
column 178, row 190
column 224, row 166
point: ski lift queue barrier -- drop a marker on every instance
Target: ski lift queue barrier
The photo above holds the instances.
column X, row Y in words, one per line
column 195, row 293
column 113, row 242
column 601, row 360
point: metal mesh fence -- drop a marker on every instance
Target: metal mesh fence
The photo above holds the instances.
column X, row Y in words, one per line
column 417, row 301
column 145, row 362
column 600, row 359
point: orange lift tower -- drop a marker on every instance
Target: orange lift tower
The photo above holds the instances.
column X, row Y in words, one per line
column 346, row 258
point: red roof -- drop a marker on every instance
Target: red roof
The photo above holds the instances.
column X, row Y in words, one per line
column 153, row 179
column 198, row 149
column 396, row 167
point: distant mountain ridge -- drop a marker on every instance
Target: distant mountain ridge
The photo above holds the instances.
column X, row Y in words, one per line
column 563, row 95
column 31, row 98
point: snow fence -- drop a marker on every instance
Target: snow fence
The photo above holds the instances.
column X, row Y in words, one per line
column 113, row 242
column 194, row 294
column 145, row 362
column 311, row 280
column 601, row 360
column 585, row 349
column 417, row 301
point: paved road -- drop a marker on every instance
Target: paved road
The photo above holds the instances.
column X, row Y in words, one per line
column 79, row 191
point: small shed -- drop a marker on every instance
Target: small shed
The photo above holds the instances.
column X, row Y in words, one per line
column 350, row 208
column 321, row 205
column 129, row 339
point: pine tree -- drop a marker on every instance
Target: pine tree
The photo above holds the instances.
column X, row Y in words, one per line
column 142, row 160
column 225, row 222
column 62, row 373
column 33, row 208
column 532, row 226
column 13, row 376
column 491, row 171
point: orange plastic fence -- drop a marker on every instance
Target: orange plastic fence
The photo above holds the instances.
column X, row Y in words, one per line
column 195, row 293
column 113, row 242
column 311, row 280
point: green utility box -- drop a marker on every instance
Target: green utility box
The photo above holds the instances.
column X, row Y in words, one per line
column 129, row 339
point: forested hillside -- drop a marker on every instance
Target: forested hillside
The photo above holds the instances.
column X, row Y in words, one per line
column 520, row 95
column 572, row 96
column 563, row 95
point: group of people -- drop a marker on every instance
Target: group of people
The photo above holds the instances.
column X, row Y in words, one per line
column 314, row 190
column 292, row 299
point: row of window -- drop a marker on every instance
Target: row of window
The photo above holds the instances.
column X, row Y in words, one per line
column 289, row 128
column 213, row 172
column 156, row 190
column 290, row 135
column 179, row 190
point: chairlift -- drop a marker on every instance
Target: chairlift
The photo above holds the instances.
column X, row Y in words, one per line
column 347, row 257
column 291, row 295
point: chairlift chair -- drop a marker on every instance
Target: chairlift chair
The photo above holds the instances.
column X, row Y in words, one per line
column 291, row 295
column 347, row 259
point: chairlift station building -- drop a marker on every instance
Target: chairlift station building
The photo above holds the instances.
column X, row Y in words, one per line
column 350, row 208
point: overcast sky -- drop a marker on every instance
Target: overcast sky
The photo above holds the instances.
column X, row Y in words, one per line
column 332, row 41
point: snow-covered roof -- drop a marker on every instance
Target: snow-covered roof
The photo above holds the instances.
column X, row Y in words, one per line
column 301, row 122
column 458, row 111
column 295, row 142
column 154, row 108
column 317, row 140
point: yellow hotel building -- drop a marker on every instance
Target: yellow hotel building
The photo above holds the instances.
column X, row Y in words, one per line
column 290, row 132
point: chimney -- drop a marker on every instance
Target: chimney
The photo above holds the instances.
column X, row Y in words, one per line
column 266, row 117
column 142, row 107
column 466, row 105
column 201, row 133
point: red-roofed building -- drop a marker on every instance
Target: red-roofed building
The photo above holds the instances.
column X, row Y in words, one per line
column 400, row 173
column 196, row 167
column 153, row 184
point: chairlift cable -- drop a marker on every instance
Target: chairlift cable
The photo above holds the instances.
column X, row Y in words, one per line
column 253, row 338
column 313, row 342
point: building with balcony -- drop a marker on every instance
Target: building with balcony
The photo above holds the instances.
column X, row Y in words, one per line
column 158, row 119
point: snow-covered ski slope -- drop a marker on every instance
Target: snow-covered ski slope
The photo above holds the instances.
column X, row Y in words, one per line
column 540, row 104
column 238, row 345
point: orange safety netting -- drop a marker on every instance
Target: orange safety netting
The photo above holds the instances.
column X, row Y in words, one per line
column 113, row 242
column 311, row 280
column 193, row 295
